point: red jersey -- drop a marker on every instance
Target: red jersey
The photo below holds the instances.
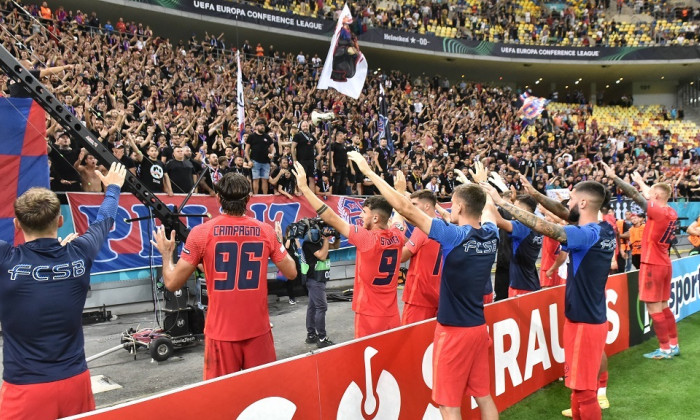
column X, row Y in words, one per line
column 423, row 277
column 549, row 252
column 658, row 234
column 234, row 251
column 610, row 218
column 376, row 270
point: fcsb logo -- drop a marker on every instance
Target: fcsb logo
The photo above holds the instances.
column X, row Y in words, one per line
column 350, row 210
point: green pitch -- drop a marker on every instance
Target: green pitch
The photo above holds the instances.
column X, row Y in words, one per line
column 638, row 388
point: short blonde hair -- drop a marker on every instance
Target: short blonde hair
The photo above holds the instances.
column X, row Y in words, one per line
column 37, row 210
column 665, row 188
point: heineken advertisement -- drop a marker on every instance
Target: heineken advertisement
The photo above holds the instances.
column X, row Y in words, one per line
column 242, row 12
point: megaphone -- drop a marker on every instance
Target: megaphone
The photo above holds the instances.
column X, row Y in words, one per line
column 317, row 117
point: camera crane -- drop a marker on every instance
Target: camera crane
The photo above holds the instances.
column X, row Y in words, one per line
column 78, row 131
column 160, row 342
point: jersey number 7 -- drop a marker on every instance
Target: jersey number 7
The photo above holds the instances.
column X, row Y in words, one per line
column 241, row 268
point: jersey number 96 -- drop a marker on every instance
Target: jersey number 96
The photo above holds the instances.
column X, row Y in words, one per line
column 240, row 262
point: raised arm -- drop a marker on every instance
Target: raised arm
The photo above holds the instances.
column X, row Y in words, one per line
column 628, row 189
column 328, row 216
column 693, row 229
column 174, row 275
column 525, row 217
column 399, row 202
column 556, row 207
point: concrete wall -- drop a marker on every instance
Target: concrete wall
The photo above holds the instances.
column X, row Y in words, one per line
column 657, row 92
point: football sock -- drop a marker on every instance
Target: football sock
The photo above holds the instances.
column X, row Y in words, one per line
column 602, row 383
column 588, row 406
column 672, row 330
column 661, row 330
column 575, row 413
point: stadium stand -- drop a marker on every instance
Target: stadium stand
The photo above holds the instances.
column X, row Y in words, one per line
column 135, row 85
column 572, row 23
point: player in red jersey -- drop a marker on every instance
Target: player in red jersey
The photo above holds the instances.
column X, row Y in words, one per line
column 655, row 270
column 553, row 257
column 422, row 289
column 234, row 250
column 378, row 259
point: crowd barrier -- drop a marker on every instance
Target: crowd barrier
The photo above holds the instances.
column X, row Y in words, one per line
column 388, row 376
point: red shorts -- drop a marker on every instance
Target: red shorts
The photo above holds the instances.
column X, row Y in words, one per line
column 224, row 357
column 583, row 350
column 488, row 298
column 655, row 282
column 48, row 400
column 367, row 325
column 517, row 292
column 545, row 281
column 415, row 313
column 460, row 364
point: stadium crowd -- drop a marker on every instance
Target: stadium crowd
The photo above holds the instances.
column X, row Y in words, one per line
column 172, row 106
column 585, row 23
column 168, row 113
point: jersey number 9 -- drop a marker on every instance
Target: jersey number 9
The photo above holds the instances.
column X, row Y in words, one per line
column 387, row 265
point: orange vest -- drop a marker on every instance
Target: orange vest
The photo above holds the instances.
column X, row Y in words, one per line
column 45, row 12
column 636, row 234
column 695, row 240
column 624, row 243
column 259, row 51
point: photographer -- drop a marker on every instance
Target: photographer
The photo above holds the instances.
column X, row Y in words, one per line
column 291, row 244
column 318, row 271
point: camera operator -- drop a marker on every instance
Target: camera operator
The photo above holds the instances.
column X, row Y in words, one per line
column 291, row 244
column 318, row 271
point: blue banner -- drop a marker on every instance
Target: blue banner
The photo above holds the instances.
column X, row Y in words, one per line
column 685, row 287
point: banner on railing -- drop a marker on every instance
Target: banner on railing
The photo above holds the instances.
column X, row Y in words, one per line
column 389, row 376
column 128, row 246
column 685, row 287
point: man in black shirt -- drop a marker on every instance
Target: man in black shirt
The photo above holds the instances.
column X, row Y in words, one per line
column 181, row 172
column 151, row 171
column 303, row 151
column 339, row 164
column 282, row 176
column 258, row 150
column 503, row 257
column 18, row 91
column 383, row 158
column 62, row 157
column 356, row 177
column 238, row 168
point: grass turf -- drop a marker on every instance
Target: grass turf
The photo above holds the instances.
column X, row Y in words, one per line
column 638, row 388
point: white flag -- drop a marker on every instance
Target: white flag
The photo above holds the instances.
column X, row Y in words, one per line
column 240, row 100
column 345, row 68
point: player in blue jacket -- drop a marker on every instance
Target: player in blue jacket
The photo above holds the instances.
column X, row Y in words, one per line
column 43, row 287
column 591, row 247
